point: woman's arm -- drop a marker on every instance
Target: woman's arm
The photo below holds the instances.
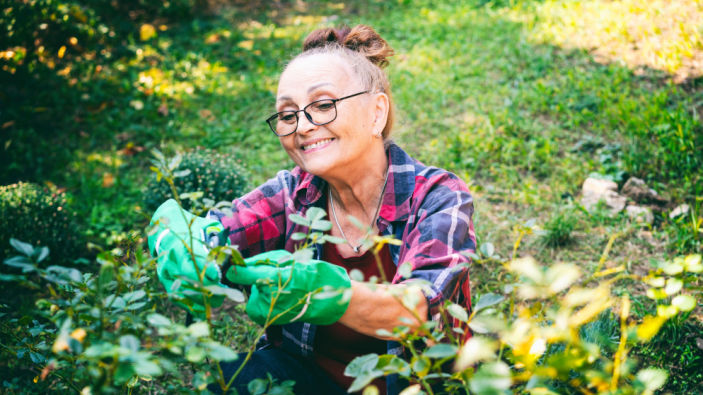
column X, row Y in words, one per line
column 380, row 306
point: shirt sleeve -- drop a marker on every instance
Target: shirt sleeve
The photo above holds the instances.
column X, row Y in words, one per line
column 258, row 219
column 437, row 242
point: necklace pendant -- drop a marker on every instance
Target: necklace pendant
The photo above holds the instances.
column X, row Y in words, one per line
column 356, row 249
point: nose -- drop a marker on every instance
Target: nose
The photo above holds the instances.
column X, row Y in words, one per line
column 305, row 124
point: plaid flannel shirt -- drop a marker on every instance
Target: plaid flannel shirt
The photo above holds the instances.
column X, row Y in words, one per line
column 427, row 208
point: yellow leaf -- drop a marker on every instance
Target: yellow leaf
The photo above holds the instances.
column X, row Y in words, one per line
column 625, row 309
column 667, row 311
column 246, row 44
column 59, row 345
column 108, row 180
column 79, row 334
column 649, row 327
column 62, row 51
column 146, row 31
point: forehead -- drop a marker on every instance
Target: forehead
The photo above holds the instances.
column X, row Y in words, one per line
column 308, row 72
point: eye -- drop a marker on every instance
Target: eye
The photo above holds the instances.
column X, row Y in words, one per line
column 323, row 106
column 286, row 117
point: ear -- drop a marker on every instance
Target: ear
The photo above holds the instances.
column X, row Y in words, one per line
column 380, row 113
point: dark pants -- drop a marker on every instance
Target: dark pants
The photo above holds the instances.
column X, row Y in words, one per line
column 308, row 377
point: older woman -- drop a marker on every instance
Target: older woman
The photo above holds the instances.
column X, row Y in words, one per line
column 334, row 113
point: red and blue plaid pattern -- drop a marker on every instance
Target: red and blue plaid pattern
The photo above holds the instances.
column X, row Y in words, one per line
column 427, row 208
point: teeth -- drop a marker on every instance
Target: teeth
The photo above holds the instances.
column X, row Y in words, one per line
column 317, row 144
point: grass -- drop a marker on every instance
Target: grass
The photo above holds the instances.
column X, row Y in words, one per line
column 511, row 96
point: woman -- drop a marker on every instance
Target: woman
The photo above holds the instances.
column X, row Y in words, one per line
column 334, row 113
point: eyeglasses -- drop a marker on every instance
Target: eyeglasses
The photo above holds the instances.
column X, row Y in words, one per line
column 319, row 112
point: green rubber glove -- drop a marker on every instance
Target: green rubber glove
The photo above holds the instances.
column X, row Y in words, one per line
column 169, row 244
column 264, row 272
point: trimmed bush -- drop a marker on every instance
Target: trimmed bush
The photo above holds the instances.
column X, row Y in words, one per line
column 42, row 217
column 218, row 176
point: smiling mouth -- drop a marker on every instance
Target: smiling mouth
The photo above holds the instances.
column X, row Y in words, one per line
column 316, row 144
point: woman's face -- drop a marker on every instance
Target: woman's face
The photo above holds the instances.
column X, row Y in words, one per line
column 337, row 148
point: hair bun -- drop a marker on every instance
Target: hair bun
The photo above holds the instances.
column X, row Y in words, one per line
column 320, row 38
column 365, row 40
column 361, row 38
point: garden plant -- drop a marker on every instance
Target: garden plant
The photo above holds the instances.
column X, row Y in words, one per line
column 108, row 109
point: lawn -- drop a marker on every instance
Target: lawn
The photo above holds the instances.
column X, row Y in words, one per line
column 524, row 100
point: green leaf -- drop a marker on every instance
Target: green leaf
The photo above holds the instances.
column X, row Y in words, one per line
column 257, row 386
column 421, row 366
column 333, row 239
column 183, row 173
column 652, row 378
column 63, row 274
column 487, row 249
column 298, row 236
column 302, row 256
column 199, row 329
column 361, row 365
column 42, row 253
column 442, row 350
column 384, row 333
column 21, row 262
column 356, row 275
column 136, row 306
column 218, row 352
column 195, row 354
column 231, row 293
column 174, row 162
column 405, row 270
column 25, row 248
column 315, row 214
column 107, row 272
column 36, row 357
column 321, row 225
column 144, row 367
column 300, row 220
column 129, row 342
column 487, row 300
column 491, row 378
column 158, row 320
column 99, row 350
column 130, row 297
column 458, row 312
column 363, row 380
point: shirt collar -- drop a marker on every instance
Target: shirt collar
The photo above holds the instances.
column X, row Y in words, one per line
column 395, row 205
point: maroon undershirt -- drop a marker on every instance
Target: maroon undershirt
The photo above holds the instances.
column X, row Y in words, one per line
column 337, row 344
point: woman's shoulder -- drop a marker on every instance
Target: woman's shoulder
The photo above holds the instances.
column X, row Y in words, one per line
column 422, row 176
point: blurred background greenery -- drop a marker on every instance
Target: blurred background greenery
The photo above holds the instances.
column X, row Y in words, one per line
column 522, row 99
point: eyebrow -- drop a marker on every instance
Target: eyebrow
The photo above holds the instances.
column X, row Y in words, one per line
column 310, row 90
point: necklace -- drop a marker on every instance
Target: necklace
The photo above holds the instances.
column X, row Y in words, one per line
column 378, row 208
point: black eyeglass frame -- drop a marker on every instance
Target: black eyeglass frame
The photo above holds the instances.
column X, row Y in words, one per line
column 307, row 115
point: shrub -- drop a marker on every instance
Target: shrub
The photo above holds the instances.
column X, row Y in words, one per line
column 218, row 176
column 39, row 216
column 559, row 229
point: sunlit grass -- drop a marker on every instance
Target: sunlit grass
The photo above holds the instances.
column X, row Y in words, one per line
column 659, row 34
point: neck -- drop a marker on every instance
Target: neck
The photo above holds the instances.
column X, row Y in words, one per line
column 358, row 191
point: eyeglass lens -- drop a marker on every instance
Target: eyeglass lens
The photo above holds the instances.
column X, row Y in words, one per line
column 319, row 113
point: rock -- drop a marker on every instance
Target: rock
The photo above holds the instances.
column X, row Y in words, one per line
column 595, row 190
column 637, row 190
column 640, row 214
column 679, row 211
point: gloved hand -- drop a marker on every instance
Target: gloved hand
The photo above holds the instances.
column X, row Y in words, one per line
column 170, row 244
column 265, row 271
